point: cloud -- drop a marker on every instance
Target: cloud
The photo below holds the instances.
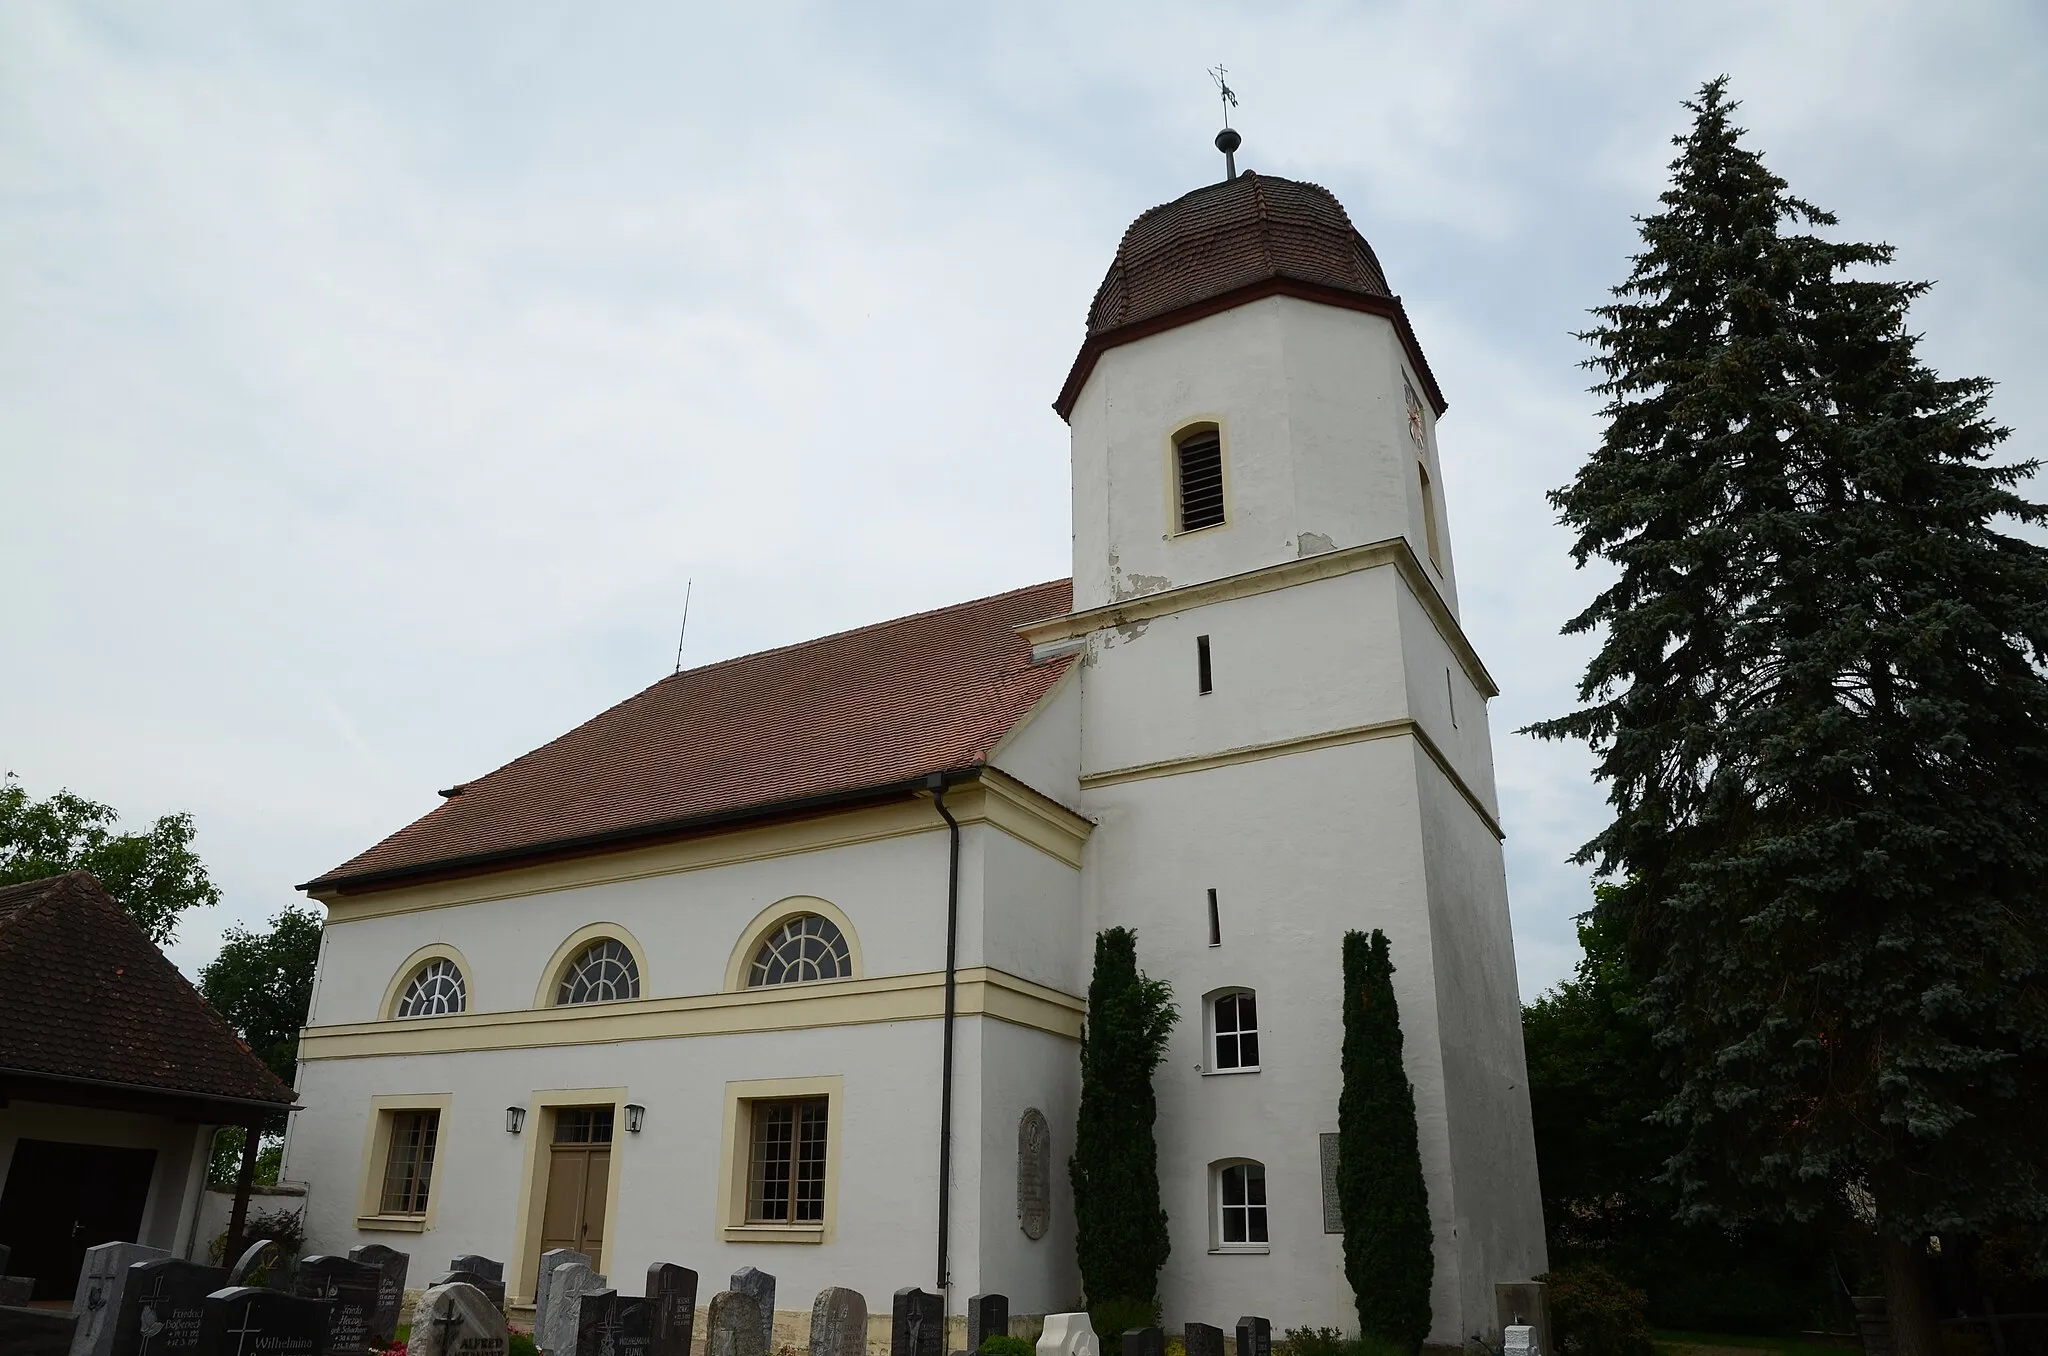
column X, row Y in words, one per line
column 373, row 379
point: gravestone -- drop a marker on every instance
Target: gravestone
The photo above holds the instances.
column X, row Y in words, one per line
column 732, row 1325
column 1068, row 1335
column 917, row 1325
column 673, row 1292
column 839, row 1323
column 987, row 1316
column 554, row 1328
column 254, row 1320
column 36, row 1332
column 392, row 1266
column 17, row 1289
column 549, row 1260
column 351, row 1287
column 161, row 1305
column 1519, row 1339
column 5, row 1253
column 612, row 1324
column 1202, row 1339
column 1524, row 1302
column 97, row 1300
column 481, row 1265
column 494, row 1290
column 261, row 1254
column 759, row 1284
column 1254, row 1336
column 1143, row 1342
column 456, row 1320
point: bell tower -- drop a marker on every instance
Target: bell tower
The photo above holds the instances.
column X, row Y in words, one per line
column 1284, row 737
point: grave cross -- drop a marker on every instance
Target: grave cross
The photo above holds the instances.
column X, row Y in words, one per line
column 448, row 1323
column 247, row 1330
column 151, row 1324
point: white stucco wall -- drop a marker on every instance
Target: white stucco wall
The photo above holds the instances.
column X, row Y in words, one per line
column 1316, row 448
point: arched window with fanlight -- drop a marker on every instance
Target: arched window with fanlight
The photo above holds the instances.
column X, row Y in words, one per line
column 801, row 950
column 603, row 972
column 436, row 989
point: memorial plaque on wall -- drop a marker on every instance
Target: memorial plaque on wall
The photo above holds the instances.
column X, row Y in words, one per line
column 1034, row 1174
column 1333, row 1213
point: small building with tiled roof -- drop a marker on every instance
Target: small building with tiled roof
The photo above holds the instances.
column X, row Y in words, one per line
column 114, row 1073
column 783, row 961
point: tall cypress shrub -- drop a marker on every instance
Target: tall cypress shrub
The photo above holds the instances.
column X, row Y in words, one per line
column 1120, row 1225
column 1821, row 712
column 1389, row 1254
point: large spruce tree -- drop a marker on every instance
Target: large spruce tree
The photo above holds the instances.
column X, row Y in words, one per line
column 1389, row 1257
column 1120, row 1237
column 1820, row 709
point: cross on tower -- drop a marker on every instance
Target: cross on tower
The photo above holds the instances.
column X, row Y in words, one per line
column 1227, row 140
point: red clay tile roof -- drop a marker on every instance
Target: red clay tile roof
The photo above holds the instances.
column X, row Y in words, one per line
column 84, row 994
column 1224, row 236
column 1228, row 243
column 862, row 710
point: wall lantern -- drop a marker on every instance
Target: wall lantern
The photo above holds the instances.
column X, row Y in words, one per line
column 515, row 1118
column 635, row 1114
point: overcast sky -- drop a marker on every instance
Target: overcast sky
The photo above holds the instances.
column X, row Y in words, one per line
column 373, row 377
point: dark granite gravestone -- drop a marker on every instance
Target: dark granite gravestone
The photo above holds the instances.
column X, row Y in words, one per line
column 5, row 1253
column 494, row 1289
column 456, row 1320
column 1202, row 1339
column 673, row 1292
column 161, row 1306
column 36, row 1332
column 612, row 1324
column 253, row 1320
column 352, row 1289
column 392, row 1266
column 987, row 1316
column 17, row 1290
column 1254, row 1336
column 1143, row 1342
column 481, row 1265
column 917, row 1324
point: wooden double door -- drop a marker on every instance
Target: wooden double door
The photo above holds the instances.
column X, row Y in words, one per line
column 61, row 1199
column 579, row 1182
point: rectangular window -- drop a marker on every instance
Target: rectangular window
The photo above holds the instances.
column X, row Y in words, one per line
column 1215, row 921
column 1198, row 467
column 583, row 1125
column 1429, row 519
column 1451, row 696
column 1241, row 1193
column 1237, row 1031
column 1204, row 678
column 409, row 1167
column 786, row 1163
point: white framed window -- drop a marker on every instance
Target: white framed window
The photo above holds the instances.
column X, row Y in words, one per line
column 436, row 989
column 806, row 948
column 1234, row 1031
column 1239, row 1189
column 603, row 972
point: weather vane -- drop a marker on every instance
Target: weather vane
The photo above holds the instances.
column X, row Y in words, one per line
column 1227, row 141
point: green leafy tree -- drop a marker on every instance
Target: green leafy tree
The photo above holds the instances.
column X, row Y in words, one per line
column 154, row 874
column 1389, row 1254
column 1820, row 709
column 1120, row 1226
column 1595, row 1087
column 262, row 983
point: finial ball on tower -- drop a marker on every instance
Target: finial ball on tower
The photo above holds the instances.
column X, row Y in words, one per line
column 1227, row 140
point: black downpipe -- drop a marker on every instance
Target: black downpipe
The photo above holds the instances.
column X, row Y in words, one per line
column 937, row 784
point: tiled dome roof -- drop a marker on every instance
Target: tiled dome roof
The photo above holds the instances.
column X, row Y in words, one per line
column 1230, row 243
column 1225, row 236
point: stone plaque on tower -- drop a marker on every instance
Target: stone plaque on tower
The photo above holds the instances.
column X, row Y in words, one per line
column 1034, row 1174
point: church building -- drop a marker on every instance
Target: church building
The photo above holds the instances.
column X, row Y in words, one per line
column 783, row 961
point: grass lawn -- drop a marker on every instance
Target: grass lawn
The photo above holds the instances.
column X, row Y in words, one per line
column 1737, row 1344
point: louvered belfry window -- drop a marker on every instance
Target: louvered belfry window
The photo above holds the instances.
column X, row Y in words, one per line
column 1198, row 464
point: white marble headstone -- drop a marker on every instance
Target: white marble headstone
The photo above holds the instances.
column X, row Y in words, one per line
column 1068, row 1335
column 1519, row 1339
column 555, row 1327
column 549, row 1261
column 456, row 1319
column 97, row 1302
